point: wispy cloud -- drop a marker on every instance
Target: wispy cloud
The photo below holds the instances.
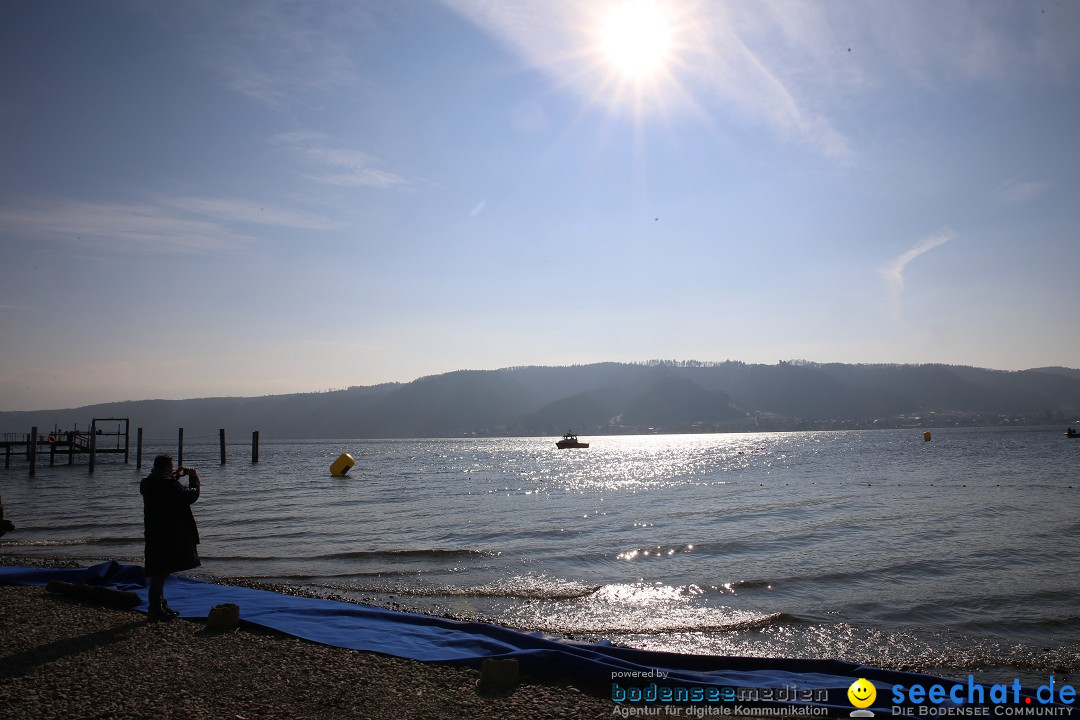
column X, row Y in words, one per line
column 274, row 51
column 163, row 224
column 1014, row 44
column 246, row 211
column 1020, row 192
column 775, row 64
column 332, row 164
column 893, row 272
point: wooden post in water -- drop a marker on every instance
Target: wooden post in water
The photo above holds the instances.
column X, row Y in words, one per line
column 52, row 450
column 180, row 452
column 33, row 451
column 93, row 445
column 138, row 449
column 221, row 442
column 71, row 446
column 254, row 446
column 7, row 456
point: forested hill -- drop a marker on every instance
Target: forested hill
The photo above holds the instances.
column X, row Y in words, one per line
column 609, row 398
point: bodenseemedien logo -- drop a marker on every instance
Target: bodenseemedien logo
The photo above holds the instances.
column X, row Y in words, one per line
column 862, row 694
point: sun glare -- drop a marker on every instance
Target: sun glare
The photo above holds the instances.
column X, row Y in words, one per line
column 636, row 38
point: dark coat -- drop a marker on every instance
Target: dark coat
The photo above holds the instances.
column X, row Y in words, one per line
column 168, row 524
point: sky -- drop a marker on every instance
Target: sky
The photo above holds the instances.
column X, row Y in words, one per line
column 271, row 196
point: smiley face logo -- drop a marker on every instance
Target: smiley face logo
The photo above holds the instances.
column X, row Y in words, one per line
column 862, row 693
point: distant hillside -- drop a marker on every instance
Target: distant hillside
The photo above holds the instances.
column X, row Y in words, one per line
column 608, row 398
column 1068, row 372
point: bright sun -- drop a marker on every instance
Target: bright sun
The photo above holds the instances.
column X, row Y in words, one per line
column 636, row 38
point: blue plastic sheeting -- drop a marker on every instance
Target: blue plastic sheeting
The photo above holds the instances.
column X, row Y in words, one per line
column 821, row 683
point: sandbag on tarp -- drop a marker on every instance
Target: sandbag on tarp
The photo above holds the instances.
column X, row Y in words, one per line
column 440, row 640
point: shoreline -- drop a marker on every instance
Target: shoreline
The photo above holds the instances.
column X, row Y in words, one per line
column 279, row 588
column 1003, row 669
column 63, row 658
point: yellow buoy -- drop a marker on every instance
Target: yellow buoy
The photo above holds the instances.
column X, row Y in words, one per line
column 926, row 436
column 341, row 466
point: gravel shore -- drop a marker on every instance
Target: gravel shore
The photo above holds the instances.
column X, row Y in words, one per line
column 61, row 658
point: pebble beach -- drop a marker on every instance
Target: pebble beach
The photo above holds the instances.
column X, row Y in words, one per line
column 62, row 658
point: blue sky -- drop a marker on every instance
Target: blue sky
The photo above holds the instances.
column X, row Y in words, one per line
column 247, row 198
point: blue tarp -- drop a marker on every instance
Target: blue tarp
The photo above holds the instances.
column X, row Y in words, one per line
column 823, row 683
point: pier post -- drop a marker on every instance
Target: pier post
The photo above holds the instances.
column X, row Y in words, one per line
column 254, row 447
column 180, row 451
column 71, row 446
column 221, row 442
column 7, row 456
column 52, row 450
column 33, row 451
column 93, row 446
column 138, row 449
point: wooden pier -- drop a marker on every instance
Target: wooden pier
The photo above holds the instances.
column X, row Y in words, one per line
column 98, row 440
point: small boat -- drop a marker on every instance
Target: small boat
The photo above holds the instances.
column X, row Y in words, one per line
column 1071, row 433
column 569, row 440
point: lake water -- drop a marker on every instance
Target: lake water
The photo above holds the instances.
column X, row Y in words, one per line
column 954, row 556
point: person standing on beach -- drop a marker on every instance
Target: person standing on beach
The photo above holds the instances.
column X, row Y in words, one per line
column 169, row 528
column 6, row 526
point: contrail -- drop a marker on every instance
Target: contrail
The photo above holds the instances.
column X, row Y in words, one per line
column 893, row 272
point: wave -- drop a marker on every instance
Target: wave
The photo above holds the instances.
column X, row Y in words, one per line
column 655, row 551
column 358, row 555
column 874, row 574
column 70, row 542
column 753, row 623
column 397, row 554
column 517, row 589
column 734, row 587
column 1057, row 623
column 631, row 628
column 1015, row 626
column 315, row 580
